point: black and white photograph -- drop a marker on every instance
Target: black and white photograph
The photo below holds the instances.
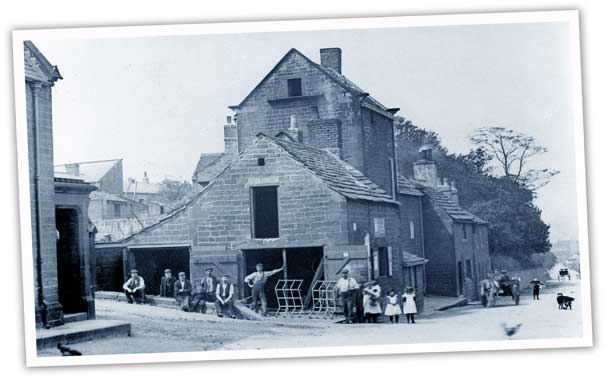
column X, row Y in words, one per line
column 355, row 186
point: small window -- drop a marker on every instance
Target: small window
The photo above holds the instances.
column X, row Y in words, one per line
column 294, row 88
column 265, row 218
column 469, row 269
column 261, row 161
column 412, row 231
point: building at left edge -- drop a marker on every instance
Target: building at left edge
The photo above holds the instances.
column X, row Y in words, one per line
column 62, row 236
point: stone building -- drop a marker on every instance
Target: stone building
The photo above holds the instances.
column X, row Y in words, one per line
column 455, row 240
column 61, row 234
column 105, row 175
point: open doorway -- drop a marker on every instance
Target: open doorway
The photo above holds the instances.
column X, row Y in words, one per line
column 151, row 263
column 69, row 274
column 301, row 263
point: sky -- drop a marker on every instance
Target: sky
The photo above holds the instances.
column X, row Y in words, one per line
column 158, row 102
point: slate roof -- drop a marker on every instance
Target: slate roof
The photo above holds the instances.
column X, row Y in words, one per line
column 91, row 171
column 210, row 165
column 339, row 78
column 410, row 259
column 337, row 174
column 103, row 195
column 407, row 187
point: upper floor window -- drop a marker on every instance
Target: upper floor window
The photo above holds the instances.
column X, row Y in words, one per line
column 265, row 217
column 294, row 88
column 412, row 231
column 464, row 232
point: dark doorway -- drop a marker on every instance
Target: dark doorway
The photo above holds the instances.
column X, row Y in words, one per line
column 69, row 273
column 151, row 263
column 301, row 263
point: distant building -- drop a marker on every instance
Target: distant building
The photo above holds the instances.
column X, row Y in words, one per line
column 144, row 191
column 106, row 175
column 62, row 236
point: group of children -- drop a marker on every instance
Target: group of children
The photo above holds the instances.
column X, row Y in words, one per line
column 394, row 304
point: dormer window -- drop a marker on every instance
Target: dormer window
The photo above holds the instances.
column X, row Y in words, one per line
column 294, row 88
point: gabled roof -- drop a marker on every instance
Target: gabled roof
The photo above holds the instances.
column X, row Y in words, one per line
column 37, row 67
column 409, row 186
column 339, row 78
column 410, row 259
column 209, row 165
column 91, row 171
column 337, row 174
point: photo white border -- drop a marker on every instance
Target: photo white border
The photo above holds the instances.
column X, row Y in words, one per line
column 571, row 17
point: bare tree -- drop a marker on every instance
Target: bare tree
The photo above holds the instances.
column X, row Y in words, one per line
column 512, row 151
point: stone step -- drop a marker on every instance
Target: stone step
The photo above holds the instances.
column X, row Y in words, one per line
column 81, row 331
column 74, row 317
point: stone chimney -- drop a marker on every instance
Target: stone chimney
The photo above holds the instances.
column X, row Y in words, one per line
column 73, row 169
column 230, row 136
column 331, row 58
column 425, row 169
column 293, row 130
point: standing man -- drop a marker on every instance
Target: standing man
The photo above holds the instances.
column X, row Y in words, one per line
column 208, row 289
column 135, row 288
column 346, row 287
column 536, row 283
column 167, row 284
column 224, row 297
column 256, row 281
column 182, row 291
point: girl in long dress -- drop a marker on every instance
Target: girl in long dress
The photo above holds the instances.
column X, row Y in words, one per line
column 409, row 304
column 393, row 310
column 371, row 302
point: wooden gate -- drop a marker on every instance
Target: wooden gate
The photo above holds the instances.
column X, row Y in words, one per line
column 353, row 257
column 221, row 260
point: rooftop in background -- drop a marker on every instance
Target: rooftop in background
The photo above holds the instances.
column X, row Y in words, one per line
column 90, row 171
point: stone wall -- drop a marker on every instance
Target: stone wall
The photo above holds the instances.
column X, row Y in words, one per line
column 46, row 204
column 378, row 148
column 109, row 269
column 411, row 211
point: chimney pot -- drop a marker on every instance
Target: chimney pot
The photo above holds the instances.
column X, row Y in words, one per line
column 331, row 58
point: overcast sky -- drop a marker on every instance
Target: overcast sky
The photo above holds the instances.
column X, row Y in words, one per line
column 158, row 102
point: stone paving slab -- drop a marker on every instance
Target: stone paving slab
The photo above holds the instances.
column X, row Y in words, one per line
column 80, row 331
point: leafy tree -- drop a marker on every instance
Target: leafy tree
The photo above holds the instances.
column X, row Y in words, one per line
column 516, row 229
column 175, row 193
column 511, row 151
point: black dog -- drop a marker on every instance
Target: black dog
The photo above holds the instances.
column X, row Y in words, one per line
column 564, row 301
column 66, row 351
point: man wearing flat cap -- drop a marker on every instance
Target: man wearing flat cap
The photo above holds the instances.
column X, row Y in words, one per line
column 346, row 288
column 167, row 284
column 134, row 288
column 182, row 291
column 224, row 297
column 257, row 281
column 206, row 290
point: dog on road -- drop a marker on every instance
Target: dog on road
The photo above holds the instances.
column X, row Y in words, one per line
column 564, row 301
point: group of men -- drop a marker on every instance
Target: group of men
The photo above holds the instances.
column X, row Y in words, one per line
column 188, row 298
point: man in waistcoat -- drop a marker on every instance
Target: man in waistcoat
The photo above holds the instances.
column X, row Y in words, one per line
column 257, row 281
column 207, row 289
column 134, row 288
column 224, row 297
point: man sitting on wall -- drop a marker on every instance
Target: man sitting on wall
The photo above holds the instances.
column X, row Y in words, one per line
column 134, row 288
column 167, row 284
column 225, row 297
column 208, row 289
column 182, row 292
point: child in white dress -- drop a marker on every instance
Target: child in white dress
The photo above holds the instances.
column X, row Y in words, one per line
column 409, row 304
column 393, row 310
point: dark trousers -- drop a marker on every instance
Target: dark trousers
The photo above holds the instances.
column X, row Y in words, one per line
column 536, row 293
column 199, row 300
column 220, row 308
column 136, row 296
column 258, row 293
column 348, row 305
column 182, row 301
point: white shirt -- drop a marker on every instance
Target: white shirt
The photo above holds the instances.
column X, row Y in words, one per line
column 141, row 283
column 344, row 285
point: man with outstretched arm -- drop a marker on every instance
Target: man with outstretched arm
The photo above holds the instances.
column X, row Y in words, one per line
column 256, row 281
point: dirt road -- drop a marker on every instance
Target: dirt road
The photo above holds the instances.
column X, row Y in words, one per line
column 156, row 329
